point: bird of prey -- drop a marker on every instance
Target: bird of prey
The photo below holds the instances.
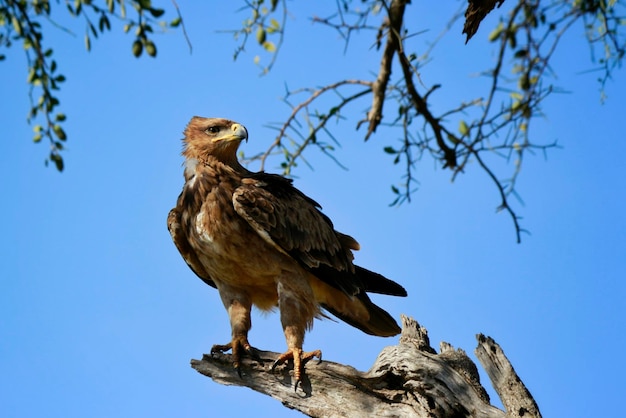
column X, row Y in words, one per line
column 260, row 241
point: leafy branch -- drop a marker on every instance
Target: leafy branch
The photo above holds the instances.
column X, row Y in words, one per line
column 291, row 131
column 22, row 21
column 265, row 27
column 478, row 128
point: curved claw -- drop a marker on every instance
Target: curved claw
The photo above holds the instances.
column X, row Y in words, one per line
column 237, row 346
column 299, row 360
column 278, row 362
column 253, row 353
column 221, row 348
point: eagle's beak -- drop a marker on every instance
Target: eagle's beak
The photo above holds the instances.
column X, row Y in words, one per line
column 239, row 132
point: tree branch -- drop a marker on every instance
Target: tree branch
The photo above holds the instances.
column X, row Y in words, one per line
column 514, row 395
column 303, row 107
column 408, row 380
column 393, row 25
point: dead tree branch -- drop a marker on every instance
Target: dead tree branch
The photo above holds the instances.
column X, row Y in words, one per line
column 514, row 395
column 393, row 26
column 408, row 380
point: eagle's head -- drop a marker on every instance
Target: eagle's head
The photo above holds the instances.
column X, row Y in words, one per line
column 220, row 138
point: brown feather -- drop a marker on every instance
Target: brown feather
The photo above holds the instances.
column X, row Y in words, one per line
column 180, row 240
column 261, row 241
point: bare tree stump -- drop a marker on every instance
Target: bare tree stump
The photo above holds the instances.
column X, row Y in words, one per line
column 406, row 380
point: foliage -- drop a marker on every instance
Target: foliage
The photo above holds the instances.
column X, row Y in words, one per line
column 477, row 132
column 495, row 124
column 22, row 21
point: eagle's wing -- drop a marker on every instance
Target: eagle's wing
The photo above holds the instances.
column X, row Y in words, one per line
column 180, row 239
column 293, row 223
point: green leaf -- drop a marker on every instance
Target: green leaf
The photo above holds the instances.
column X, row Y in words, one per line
column 145, row 4
column 157, row 12
column 52, row 102
column 390, row 150
column 60, row 117
column 58, row 161
column 495, row 34
column 463, row 128
column 17, row 26
column 32, row 76
column 104, row 23
column 261, row 35
column 269, row 46
column 137, row 48
column 512, row 39
column 524, row 82
column 87, row 42
column 521, row 53
column 151, row 48
column 59, row 132
column 176, row 22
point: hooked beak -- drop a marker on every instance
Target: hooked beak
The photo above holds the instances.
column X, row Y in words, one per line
column 239, row 132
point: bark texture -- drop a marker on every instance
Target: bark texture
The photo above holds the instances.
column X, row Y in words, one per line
column 406, row 380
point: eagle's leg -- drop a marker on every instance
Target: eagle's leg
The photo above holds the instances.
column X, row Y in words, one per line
column 240, row 323
column 296, row 315
column 295, row 353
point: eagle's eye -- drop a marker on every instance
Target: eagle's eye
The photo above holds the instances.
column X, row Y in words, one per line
column 212, row 129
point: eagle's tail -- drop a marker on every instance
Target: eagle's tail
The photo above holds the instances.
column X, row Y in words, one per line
column 377, row 283
column 358, row 310
column 377, row 321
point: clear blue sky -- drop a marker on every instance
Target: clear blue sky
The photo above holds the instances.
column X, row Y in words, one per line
column 100, row 315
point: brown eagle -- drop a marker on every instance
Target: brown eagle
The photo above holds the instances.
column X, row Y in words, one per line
column 260, row 241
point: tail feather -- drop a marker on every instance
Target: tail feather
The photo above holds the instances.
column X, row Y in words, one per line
column 361, row 279
column 378, row 323
column 377, row 283
column 343, row 294
column 357, row 310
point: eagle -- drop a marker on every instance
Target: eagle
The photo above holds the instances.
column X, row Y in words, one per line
column 260, row 241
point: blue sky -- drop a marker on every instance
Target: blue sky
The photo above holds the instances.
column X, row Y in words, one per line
column 100, row 315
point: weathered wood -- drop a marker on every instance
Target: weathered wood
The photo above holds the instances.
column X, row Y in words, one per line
column 406, row 380
column 514, row 395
